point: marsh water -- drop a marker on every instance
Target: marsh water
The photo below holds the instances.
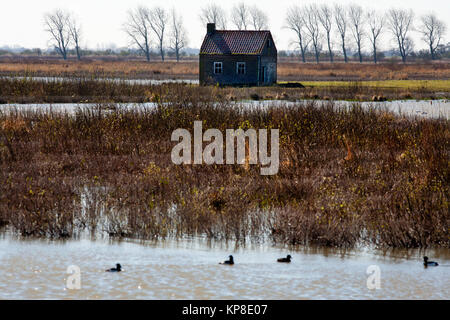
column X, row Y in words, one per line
column 189, row 269
column 437, row 109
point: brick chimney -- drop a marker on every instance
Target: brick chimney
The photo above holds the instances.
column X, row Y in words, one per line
column 210, row 27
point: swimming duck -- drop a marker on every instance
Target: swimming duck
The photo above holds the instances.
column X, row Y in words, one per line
column 118, row 268
column 427, row 263
column 229, row 261
column 287, row 259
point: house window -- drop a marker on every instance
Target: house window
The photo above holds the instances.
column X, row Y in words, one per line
column 218, row 67
column 240, row 68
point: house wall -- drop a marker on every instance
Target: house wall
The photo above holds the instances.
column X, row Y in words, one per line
column 229, row 75
column 271, row 70
column 254, row 67
column 269, row 60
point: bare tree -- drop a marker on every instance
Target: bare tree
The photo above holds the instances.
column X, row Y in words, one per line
column 240, row 15
column 433, row 31
column 409, row 46
column 357, row 21
column 57, row 24
column 340, row 16
column 311, row 21
column 158, row 19
column 75, row 33
column 400, row 23
column 214, row 14
column 258, row 19
column 178, row 39
column 326, row 20
column 138, row 29
column 376, row 25
column 295, row 22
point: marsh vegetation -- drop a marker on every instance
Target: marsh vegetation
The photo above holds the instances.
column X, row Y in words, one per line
column 347, row 176
column 92, row 90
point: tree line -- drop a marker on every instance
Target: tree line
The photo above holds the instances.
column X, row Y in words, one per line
column 141, row 24
column 315, row 26
column 315, row 29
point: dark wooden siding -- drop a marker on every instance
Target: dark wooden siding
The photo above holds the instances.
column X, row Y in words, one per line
column 255, row 64
column 229, row 75
column 269, row 61
column 269, row 51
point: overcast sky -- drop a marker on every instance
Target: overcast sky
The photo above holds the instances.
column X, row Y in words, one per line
column 21, row 21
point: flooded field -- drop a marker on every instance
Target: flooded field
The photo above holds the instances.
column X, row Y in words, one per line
column 189, row 269
column 116, row 80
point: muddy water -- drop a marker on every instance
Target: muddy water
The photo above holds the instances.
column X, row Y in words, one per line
column 37, row 269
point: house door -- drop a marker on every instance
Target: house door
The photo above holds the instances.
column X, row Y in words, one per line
column 263, row 74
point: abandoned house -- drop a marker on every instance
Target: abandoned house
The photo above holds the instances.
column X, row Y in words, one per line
column 231, row 57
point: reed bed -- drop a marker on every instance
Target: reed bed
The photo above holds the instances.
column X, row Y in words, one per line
column 347, row 176
column 81, row 90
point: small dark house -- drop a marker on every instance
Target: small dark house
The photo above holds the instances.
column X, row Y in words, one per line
column 230, row 57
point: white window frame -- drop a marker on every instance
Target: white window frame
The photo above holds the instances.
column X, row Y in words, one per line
column 218, row 65
column 237, row 68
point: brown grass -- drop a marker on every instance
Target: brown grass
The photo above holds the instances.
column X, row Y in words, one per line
column 100, row 68
column 362, row 71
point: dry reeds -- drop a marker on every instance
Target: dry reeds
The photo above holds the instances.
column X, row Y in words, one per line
column 84, row 90
column 110, row 171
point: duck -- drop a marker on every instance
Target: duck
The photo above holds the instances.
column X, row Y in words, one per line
column 229, row 261
column 427, row 263
column 287, row 259
column 118, row 268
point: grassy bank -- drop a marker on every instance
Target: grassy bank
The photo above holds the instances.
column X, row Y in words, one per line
column 346, row 176
column 75, row 90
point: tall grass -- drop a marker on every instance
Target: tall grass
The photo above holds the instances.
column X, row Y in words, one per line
column 347, row 176
column 81, row 90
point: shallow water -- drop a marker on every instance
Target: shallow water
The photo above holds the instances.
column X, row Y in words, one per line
column 412, row 108
column 36, row 269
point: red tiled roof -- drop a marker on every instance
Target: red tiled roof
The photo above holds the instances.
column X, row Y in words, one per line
column 234, row 42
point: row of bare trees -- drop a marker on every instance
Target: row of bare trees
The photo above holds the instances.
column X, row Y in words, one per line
column 242, row 17
column 313, row 25
column 141, row 23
